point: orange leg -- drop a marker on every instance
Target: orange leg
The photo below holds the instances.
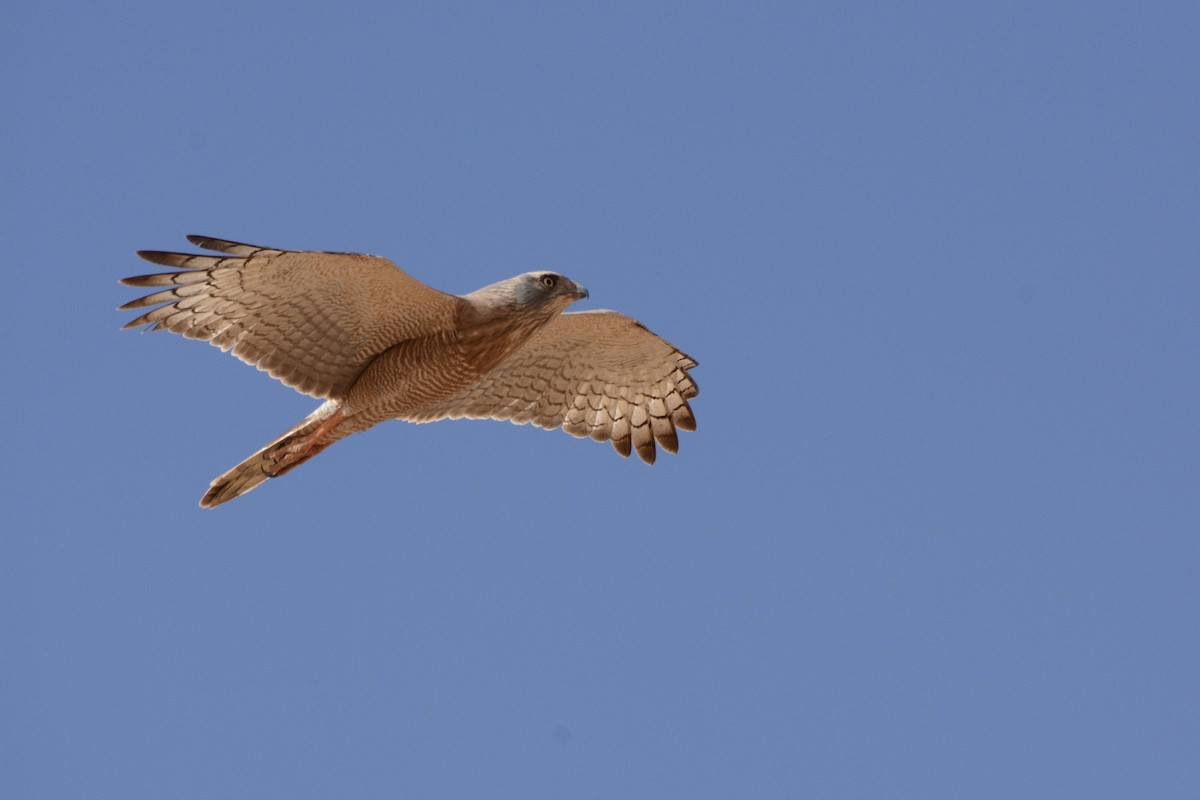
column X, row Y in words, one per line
column 303, row 447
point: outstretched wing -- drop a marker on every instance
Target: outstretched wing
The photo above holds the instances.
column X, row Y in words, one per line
column 592, row 373
column 311, row 319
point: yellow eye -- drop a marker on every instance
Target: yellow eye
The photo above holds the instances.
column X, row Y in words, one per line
column 548, row 281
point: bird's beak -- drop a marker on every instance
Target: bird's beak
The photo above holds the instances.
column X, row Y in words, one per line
column 580, row 292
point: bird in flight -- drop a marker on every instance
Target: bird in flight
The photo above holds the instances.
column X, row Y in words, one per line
column 376, row 344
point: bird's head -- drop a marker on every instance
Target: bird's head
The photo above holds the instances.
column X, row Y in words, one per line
column 540, row 294
column 547, row 289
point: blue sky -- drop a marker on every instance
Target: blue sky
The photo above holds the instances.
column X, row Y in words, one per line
column 936, row 534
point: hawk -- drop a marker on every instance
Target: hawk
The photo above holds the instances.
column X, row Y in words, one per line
column 377, row 344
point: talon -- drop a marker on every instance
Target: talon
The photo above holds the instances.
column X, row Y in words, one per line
column 302, row 448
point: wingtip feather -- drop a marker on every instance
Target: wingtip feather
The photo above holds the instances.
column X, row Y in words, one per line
column 236, row 249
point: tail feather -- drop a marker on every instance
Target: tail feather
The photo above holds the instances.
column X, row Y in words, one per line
column 274, row 459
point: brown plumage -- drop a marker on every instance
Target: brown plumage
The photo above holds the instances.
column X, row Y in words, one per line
column 377, row 344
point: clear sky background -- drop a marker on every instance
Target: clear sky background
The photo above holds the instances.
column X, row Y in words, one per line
column 936, row 534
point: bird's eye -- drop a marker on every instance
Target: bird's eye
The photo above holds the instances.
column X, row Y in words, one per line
column 548, row 281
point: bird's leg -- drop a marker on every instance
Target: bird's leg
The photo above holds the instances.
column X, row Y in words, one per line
column 294, row 452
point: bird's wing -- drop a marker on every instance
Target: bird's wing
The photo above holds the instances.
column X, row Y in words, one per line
column 311, row 319
column 592, row 373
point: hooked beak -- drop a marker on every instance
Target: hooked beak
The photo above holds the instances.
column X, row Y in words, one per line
column 581, row 293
